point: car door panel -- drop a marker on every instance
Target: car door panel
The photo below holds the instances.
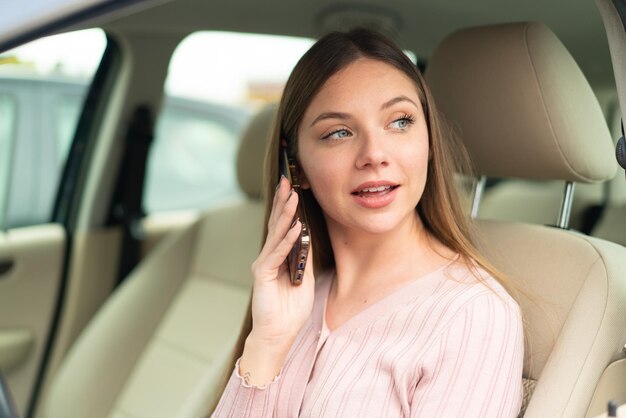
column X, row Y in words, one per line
column 15, row 345
column 28, row 295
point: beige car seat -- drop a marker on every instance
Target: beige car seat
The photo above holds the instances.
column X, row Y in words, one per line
column 599, row 204
column 159, row 344
column 524, row 110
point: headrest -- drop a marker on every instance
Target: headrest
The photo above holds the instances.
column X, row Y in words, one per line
column 521, row 104
column 251, row 153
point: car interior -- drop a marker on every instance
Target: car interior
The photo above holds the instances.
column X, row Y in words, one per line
column 122, row 297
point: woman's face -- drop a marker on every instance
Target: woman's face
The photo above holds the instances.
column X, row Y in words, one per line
column 363, row 148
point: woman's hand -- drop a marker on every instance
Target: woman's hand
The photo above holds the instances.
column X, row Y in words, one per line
column 279, row 309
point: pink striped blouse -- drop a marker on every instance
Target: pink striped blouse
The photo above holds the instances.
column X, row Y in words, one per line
column 444, row 345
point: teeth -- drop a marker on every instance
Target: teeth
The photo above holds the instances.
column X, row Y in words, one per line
column 375, row 189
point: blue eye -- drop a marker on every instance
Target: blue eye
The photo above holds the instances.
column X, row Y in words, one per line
column 338, row 134
column 402, row 123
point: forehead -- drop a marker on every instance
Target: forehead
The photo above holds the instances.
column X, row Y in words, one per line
column 364, row 77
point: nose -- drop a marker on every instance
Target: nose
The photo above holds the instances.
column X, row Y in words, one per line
column 372, row 152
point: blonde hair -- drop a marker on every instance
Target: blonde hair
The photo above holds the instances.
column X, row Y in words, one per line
column 439, row 208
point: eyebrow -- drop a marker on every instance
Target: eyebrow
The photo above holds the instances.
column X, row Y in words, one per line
column 343, row 116
column 398, row 99
column 331, row 115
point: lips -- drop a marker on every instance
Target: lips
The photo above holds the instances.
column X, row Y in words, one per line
column 372, row 189
column 374, row 195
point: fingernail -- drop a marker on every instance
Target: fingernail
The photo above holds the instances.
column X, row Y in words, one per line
column 279, row 181
column 295, row 221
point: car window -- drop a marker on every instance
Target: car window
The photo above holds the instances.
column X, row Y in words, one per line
column 7, row 133
column 47, row 81
column 216, row 81
column 191, row 159
column 66, row 113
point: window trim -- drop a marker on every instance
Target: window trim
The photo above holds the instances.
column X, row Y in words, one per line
column 67, row 199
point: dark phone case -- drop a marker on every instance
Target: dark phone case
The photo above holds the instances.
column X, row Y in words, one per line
column 298, row 255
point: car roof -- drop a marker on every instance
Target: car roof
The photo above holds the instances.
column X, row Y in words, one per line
column 418, row 25
column 24, row 21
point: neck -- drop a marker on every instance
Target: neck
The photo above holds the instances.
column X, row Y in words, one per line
column 366, row 262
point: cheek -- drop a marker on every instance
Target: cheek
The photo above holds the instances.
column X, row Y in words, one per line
column 320, row 177
column 323, row 179
column 424, row 152
column 416, row 161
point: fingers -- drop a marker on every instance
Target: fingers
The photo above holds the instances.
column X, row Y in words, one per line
column 275, row 199
column 280, row 197
column 282, row 215
column 274, row 253
column 281, row 218
column 283, row 247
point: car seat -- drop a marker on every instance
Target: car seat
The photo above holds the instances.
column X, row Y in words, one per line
column 524, row 110
column 164, row 335
column 595, row 207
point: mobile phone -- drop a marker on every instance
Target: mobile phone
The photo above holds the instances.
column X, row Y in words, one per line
column 299, row 253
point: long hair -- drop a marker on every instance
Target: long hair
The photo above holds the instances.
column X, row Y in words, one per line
column 440, row 207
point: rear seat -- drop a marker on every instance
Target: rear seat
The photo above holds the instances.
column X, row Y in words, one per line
column 158, row 345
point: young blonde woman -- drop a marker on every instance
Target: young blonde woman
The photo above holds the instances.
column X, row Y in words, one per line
column 398, row 315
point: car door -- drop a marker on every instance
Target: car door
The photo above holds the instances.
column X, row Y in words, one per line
column 40, row 107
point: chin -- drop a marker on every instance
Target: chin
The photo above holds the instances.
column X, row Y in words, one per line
column 377, row 225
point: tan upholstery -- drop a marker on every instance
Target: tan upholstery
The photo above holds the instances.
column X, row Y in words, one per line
column 158, row 346
column 521, row 103
column 252, row 150
column 524, row 110
column 539, row 201
column 575, row 309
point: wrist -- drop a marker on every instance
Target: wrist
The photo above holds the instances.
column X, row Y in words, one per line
column 274, row 344
column 262, row 359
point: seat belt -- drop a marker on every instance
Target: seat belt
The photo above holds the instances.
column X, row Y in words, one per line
column 126, row 209
column 613, row 14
